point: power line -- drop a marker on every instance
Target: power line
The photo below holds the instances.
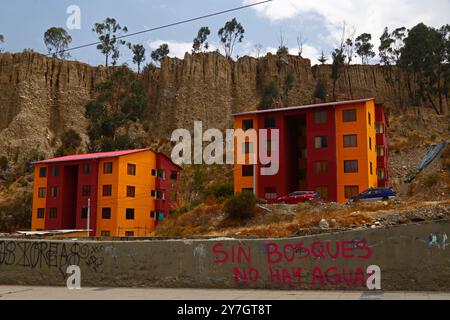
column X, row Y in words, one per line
column 166, row 26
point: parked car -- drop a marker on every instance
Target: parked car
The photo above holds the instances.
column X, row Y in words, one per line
column 374, row 194
column 299, row 196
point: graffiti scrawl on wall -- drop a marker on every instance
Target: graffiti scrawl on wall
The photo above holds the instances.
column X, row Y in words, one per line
column 50, row 255
column 437, row 239
column 275, row 255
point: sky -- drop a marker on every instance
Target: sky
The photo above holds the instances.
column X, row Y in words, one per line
column 318, row 22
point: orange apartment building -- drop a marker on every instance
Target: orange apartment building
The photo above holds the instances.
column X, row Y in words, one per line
column 124, row 193
column 337, row 149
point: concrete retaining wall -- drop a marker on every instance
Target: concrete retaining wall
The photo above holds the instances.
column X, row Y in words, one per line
column 411, row 257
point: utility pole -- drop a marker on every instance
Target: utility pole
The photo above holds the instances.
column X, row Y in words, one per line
column 88, row 216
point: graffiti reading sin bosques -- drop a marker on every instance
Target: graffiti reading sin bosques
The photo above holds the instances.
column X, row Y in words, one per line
column 42, row 254
column 289, row 254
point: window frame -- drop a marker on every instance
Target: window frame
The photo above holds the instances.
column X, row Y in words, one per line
column 131, row 192
column 323, row 142
column 42, row 172
column 106, row 213
column 352, row 193
column 107, row 187
column 40, row 213
column 244, row 127
column 84, row 188
column 107, row 167
column 131, row 169
column 320, row 117
column 347, row 118
column 128, row 212
column 350, row 136
column 246, row 167
column 349, row 164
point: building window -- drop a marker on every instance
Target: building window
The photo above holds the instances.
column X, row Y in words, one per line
column 321, row 167
column 269, row 122
column 53, row 213
column 351, row 191
column 370, row 143
column 87, row 168
column 158, row 194
column 55, row 171
column 154, row 174
column 270, row 193
column 105, row 233
column 131, row 191
column 106, row 213
column 380, row 151
column 371, row 168
column 86, row 190
column 370, row 118
column 320, row 117
column 379, row 127
column 129, row 214
column 247, row 125
column 153, row 214
column 42, row 172
column 131, row 169
column 247, row 170
column 107, row 190
column 247, row 147
column 321, row 142
column 84, row 213
column 41, row 192
column 129, row 233
column 173, row 175
column 54, row 192
column 349, row 115
column 380, row 173
column 107, row 167
column 161, row 174
column 350, row 166
column 323, row 192
column 350, row 141
column 40, row 213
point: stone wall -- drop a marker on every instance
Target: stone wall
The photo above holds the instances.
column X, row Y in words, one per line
column 411, row 257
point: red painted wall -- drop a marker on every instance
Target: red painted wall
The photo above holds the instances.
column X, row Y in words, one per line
column 382, row 139
column 65, row 200
column 326, row 154
column 82, row 201
column 279, row 180
column 167, row 184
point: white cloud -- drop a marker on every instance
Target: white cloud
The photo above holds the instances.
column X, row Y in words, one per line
column 176, row 48
column 366, row 15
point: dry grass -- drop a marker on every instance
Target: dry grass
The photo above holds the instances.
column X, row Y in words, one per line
column 283, row 220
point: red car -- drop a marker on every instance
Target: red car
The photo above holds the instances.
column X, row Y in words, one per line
column 299, row 196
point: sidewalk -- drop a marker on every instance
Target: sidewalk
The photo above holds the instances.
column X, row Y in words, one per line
column 62, row 293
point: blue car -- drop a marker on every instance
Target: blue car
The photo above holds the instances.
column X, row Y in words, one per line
column 374, row 194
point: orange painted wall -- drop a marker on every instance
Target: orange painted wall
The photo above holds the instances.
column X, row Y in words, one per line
column 143, row 203
column 38, row 202
column 109, row 201
column 241, row 182
column 361, row 128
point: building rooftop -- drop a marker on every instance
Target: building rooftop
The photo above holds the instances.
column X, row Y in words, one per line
column 327, row 104
column 88, row 156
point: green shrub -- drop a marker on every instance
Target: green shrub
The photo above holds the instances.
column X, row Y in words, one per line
column 269, row 95
column 321, row 90
column 219, row 190
column 241, row 206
